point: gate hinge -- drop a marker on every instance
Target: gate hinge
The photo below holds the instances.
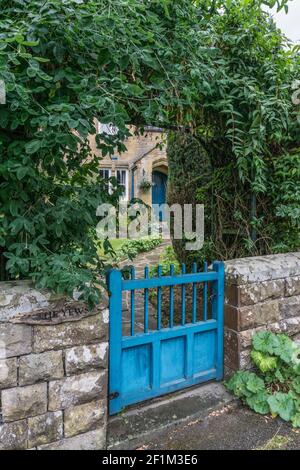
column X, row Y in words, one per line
column 113, row 395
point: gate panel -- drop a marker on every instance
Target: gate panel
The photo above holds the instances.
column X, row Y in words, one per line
column 153, row 363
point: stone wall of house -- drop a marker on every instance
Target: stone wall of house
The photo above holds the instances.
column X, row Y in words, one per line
column 137, row 146
column 143, row 168
column 262, row 293
column 53, row 371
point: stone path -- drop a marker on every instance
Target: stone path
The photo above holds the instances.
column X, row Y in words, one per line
column 150, row 259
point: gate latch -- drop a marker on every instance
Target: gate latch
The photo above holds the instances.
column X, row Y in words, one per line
column 113, row 395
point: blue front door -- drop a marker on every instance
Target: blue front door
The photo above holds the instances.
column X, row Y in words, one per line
column 159, row 191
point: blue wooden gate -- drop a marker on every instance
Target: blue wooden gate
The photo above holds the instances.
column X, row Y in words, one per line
column 147, row 364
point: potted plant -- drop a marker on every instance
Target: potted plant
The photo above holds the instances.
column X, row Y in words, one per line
column 145, row 185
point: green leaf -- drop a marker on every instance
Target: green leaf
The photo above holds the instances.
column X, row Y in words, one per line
column 255, row 384
column 296, row 420
column 21, row 172
column 134, row 89
column 277, row 345
column 31, row 72
column 33, row 146
column 279, row 376
column 265, row 341
column 259, row 403
column 245, row 384
column 282, row 404
column 30, row 43
column 264, row 362
column 287, row 350
column 17, row 225
column 42, row 59
column 296, row 384
column 44, row 76
column 13, row 207
column 58, row 230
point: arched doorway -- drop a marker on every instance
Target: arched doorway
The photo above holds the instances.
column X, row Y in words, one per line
column 159, row 192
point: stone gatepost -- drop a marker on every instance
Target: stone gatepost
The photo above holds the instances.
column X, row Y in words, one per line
column 262, row 293
column 53, row 371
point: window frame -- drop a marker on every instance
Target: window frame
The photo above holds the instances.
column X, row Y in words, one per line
column 125, row 196
column 106, row 169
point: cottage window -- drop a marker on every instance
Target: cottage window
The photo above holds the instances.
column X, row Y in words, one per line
column 105, row 173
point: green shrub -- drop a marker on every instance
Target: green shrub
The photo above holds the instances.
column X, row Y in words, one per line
column 65, row 64
column 118, row 249
column 189, row 168
column 132, row 248
column 275, row 388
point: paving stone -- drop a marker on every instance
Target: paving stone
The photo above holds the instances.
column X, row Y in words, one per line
column 230, row 427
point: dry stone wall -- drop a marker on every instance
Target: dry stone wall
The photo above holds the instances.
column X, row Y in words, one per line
column 53, row 371
column 262, row 293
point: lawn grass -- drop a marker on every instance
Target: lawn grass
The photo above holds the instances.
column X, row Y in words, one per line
column 126, row 248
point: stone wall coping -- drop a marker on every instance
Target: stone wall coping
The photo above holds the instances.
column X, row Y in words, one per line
column 21, row 300
column 262, row 268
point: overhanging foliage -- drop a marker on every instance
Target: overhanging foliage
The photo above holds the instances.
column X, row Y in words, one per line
column 67, row 62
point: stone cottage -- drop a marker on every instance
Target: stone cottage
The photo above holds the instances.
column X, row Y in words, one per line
column 142, row 170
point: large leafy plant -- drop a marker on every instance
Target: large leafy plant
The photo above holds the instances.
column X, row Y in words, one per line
column 275, row 388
